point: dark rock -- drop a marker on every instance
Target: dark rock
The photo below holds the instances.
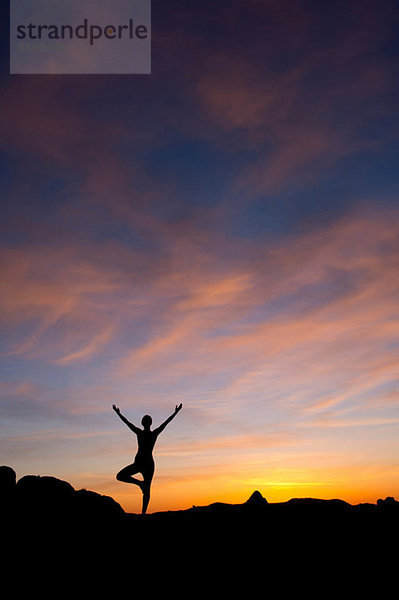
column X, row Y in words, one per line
column 256, row 499
column 46, row 486
column 317, row 504
column 8, row 479
column 7, row 494
column 388, row 504
column 90, row 505
column 41, row 500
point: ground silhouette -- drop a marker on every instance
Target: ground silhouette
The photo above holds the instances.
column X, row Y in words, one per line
column 43, row 504
column 55, row 535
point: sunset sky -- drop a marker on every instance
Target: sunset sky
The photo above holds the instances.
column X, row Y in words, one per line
column 223, row 233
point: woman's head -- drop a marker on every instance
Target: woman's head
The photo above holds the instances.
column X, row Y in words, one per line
column 146, row 421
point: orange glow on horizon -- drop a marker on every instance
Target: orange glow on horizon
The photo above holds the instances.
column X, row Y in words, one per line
column 352, row 485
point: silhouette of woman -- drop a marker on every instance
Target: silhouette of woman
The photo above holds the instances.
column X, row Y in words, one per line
column 143, row 462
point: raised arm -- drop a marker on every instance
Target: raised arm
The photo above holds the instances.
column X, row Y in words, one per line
column 168, row 420
column 128, row 423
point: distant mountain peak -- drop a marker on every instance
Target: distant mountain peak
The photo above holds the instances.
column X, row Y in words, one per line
column 256, row 499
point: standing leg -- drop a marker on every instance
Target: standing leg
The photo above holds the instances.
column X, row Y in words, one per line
column 147, row 475
column 146, row 496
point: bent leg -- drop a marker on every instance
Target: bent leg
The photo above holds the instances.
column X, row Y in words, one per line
column 126, row 473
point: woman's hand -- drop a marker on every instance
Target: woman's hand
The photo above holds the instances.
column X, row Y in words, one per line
column 177, row 408
column 116, row 409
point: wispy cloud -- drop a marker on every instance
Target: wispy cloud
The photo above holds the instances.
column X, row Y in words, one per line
column 313, row 301
column 95, row 345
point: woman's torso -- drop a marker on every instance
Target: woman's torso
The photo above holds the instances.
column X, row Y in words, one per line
column 146, row 442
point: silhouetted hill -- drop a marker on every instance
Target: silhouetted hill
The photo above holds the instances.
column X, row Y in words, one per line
column 43, row 512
